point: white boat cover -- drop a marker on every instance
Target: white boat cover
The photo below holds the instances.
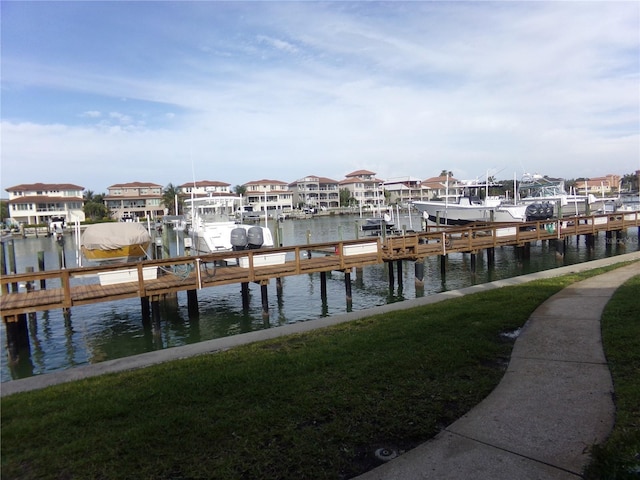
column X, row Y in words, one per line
column 111, row 236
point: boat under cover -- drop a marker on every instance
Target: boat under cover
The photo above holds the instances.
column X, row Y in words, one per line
column 116, row 242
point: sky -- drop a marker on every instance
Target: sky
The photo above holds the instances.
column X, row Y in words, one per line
column 100, row 93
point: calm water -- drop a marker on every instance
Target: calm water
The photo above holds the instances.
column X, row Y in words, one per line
column 114, row 329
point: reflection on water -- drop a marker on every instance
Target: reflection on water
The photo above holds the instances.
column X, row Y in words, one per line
column 95, row 333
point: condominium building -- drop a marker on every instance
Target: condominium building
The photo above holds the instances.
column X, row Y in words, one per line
column 316, row 192
column 365, row 188
column 269, row 195
column 132, row 201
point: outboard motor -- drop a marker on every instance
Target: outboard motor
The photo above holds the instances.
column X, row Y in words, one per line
column 239, row 238
column 255, row 237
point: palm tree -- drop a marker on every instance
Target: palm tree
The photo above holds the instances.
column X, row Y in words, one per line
column 169, row 195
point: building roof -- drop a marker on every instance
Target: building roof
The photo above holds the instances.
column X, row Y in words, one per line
column 44, row 199
column 318, row 178
column 38, row 187
column 134, row 185
column 204, row 183
column 264, row 181
column 359, row 173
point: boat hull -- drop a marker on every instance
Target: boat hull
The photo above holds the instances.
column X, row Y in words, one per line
column 439, row 213
column 219, row 237
column 129, row 253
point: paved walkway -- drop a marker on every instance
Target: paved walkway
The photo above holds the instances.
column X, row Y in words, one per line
column 554, row 401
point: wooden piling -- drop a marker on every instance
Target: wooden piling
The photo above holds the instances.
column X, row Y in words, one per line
column 491, row 257
column 244, row 290
column 418, row 267
column 192, row 304
column 399, row 271
column 391, row 276
column 41, row 268
column 323, row 286
column 17, row 336
column 347, row 285
column 265, row 298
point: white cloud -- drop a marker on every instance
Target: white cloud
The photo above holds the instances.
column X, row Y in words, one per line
column 329, row 88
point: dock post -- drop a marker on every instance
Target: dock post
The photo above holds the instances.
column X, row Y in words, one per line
column 12, row 263
column 17, row 337
column 323, row 286
column 491, row 257
column 391, row 277
column 62, row 259
column 474, row 258
column 43, row 282
column 560, row 247
column 443, row 265
column 192, row 303
column 347, row 287
column 3, row 269
column 399, row 271
column 526, row 250
column 418, row 267
column 146, row 308
column 265, row 298
column 155, row 312
column 158, row 248
column 244, row 290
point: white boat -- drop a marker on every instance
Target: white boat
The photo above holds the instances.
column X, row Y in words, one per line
column 547, row 198
column 215, row 228
column 468, row 207
column 115, row 242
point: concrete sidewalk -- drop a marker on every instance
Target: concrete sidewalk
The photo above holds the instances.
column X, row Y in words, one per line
column 553, row 403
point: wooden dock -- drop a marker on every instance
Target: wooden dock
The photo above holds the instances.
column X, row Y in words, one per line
column 23, row 293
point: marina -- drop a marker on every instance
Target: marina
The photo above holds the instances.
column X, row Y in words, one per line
column 313, row 286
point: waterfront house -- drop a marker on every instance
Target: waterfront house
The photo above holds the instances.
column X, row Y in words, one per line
column 204, row 188
column 316, row 192
column 270, row 195
column 365, row 188
column 599, row 186
column 133, row 201
column 39, row 203
column 437, row 187
column 402, row 190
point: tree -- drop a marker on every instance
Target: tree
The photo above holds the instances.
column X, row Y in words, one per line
column 444, row 173
column 240, row 189
column 4, row 211
column 169, row 195
column 630, row 182
column 94, row 207
column 346, row 200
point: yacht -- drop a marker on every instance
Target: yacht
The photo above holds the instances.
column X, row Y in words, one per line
column 215, row 226
column 468, row 207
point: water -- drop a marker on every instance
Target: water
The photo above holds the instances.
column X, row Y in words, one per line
column 111, row 330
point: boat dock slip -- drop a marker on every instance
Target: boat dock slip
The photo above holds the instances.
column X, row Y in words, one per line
column 150, row 280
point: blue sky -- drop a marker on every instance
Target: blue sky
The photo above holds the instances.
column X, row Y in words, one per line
column 99, row 93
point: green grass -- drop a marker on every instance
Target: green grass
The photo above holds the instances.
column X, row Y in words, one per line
column 311, row 406
column 619, row 457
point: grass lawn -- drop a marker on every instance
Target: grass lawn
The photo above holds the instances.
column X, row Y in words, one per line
column 314, row 406
column 619, row 457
